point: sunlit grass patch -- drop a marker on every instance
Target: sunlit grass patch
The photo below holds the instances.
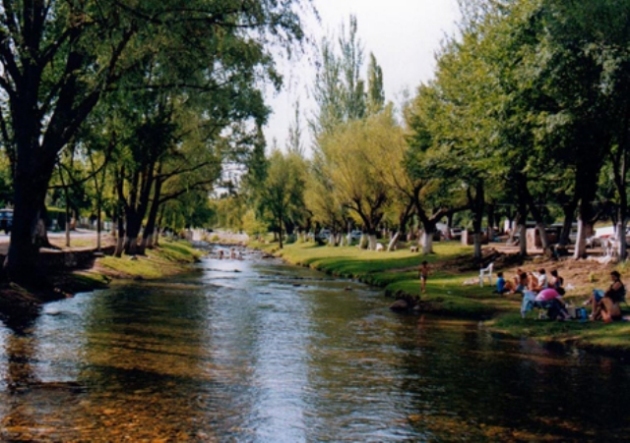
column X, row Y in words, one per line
column 176, row 251
column 167, row 259
column 351, row 261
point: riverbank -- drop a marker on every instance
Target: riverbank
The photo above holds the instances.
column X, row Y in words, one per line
column 19, row 304
column 453, row 289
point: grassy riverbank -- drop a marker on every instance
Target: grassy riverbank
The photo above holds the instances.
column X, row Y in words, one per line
column 170, row 258
column 20, row 304
column 448, row 294
column 397, row 273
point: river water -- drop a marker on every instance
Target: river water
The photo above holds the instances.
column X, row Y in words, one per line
column 258, row 351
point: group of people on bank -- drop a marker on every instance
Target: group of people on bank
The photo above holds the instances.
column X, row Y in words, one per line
column 542, row 291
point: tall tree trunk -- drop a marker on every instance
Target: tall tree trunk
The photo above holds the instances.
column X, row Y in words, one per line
column 536, row 214
column 372, row 242
column 567, row 226
column 149, row 229
column 426, row 241
column 160, row 226
column 136, row 208
column 477, row 203
column 522, row 199
column 621, row 238
column 580, row 242
column 403, row 218
column 67, row 198
column 99, row 221
column 134, row 224
column 523, row 239
column 364, row 242
column 30, row 186
column 586, row 188
column 491, row 221
column 280, row 231
column 120, row 237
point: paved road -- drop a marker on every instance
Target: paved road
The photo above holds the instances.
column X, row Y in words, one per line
column 57, row 238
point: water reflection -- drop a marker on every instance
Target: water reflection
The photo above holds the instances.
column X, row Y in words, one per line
column 256, row 351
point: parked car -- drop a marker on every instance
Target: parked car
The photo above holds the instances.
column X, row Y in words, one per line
column 323, row 234
column 6, row 220
column 356, row 234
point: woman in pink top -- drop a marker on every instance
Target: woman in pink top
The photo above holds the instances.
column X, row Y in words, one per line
column 547, row 294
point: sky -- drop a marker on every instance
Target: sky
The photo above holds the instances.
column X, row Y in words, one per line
column 403, row 35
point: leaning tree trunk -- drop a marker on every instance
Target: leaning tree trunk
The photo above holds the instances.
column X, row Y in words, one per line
column 339, row 239
column 149, row 229
column 402, row 223
column 393, row 243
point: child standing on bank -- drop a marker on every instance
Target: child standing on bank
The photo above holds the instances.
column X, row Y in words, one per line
column 423, row 274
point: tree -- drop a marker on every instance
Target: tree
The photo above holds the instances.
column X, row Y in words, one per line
column 283, row 196
column 59, row 59
column 339, row 90
column 375, row 92
column 353, row 157
column 294, row 141
column 418, row 181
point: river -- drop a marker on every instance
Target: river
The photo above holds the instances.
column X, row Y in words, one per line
column 258, row 351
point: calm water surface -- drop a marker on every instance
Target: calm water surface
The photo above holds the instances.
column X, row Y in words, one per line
column 256, row 351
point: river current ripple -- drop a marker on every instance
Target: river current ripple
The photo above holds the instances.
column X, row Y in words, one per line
column 257, row 351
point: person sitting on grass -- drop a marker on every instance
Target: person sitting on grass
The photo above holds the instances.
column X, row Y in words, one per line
column 542, row 281
column 503, row 286
column 557, row 282
column 605, row 305
column 532, row 282
column 520, row 282
column 550, row 299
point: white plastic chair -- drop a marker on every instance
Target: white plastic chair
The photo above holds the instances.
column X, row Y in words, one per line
column 486, row 272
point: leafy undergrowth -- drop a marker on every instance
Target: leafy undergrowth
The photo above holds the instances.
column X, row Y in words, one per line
column 168, row 259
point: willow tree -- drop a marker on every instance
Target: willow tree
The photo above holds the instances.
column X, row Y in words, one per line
column 354, row 157
column 60, row 58
column 283, row 192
